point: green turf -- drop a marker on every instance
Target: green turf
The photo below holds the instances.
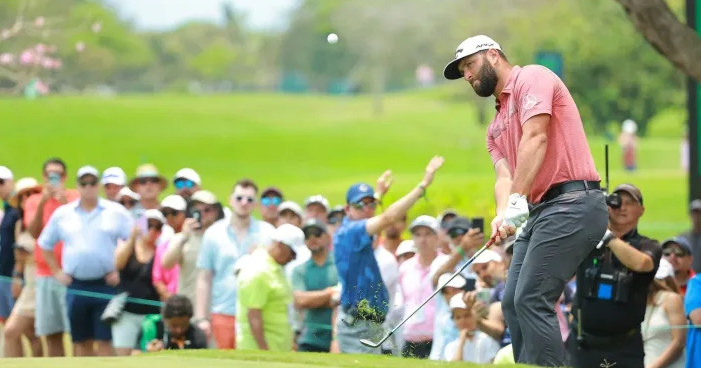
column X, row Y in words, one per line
column 228, row 359
column 306, row 145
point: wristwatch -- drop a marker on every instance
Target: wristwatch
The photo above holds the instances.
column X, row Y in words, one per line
column 607, row 238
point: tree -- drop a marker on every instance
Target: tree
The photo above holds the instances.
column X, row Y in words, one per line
column 656, row 21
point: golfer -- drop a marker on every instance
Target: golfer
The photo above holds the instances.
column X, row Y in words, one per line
column 545, row 174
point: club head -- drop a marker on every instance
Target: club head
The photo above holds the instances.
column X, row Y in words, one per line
column 369, row 343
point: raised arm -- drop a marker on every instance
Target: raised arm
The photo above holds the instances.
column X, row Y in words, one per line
column 398, row 209
column 125, row 250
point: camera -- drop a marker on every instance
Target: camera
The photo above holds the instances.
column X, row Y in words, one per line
column 613, row 200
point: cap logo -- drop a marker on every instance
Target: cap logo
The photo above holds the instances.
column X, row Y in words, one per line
column 363, row 188
column 458, row 52
column 484, row 45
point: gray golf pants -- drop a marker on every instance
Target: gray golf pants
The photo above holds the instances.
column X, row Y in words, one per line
column 560, row 233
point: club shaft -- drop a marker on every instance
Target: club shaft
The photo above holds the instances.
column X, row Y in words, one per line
column 438, row 289
column 606, row 163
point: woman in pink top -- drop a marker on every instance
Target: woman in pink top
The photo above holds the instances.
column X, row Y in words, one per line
column 415, row 279
column 166, row 278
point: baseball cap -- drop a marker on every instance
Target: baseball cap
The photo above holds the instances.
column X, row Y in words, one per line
column 456, row 302
column 290, row 235
column 457, row 282
column 88, row 170
column 114, row 175
column 271, row 190
column 425, row 221
column 204, row 196
column 320, row 199
column 312, row 222
column 154, row 214
column 127, row 192
column 175, row 202
column 461, row 223
column 695, row 205
column 336, row 209
column 406, row 247
column 665, row 270
column 290, row 206
column 682, row 242
column 487, row 256
column 358, row 191
column 466, row 48
column 188, row 174
column 5, row 173
column 632, row 190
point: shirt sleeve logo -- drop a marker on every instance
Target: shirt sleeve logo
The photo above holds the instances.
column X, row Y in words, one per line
column 528, row 102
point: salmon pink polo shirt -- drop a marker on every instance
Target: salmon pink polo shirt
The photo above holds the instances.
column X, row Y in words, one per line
column 534, row 90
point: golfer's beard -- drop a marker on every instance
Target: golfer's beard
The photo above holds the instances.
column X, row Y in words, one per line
column 488, row 80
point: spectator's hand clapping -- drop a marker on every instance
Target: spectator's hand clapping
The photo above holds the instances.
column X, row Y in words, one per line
column 384, row 182
column 154, row 346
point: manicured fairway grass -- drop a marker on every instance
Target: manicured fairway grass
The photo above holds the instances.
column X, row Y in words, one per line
column 306, row 145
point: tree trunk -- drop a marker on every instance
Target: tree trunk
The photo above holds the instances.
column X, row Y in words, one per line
column 678, row 43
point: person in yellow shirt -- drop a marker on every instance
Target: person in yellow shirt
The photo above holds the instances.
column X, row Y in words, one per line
column 264, row 294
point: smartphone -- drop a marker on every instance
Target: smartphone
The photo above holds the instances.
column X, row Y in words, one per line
column 54, row 179
column 484, row 295
column 470, row 284
column 197, row 216
column 478, row 223
column 142, row 222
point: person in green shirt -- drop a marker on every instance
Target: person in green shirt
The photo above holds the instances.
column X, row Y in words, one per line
column 313, row 285
column 264, row 293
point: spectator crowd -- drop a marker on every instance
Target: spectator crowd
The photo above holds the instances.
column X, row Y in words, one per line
column 125, row 273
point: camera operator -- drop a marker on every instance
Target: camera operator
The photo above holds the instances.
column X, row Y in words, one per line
column 612, row 287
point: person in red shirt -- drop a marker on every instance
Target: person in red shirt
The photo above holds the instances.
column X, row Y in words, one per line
column 678, row 252
column 545, row 176
column 51, row 316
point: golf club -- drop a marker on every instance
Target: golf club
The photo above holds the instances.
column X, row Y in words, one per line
column 375, row 345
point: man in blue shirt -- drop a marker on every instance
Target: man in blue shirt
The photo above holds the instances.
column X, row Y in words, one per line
column 89, row 229
column 364, row 299
column 692, row 306
column 7, row 241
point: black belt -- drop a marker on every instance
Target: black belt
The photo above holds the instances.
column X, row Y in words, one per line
column 570, row 186
column 595, row 341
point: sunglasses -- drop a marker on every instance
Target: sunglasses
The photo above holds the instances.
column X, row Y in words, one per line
column 130, row 203
column 361, row 205
column 456, row 233
column 184, row 184
column 247, row 199
column 88, row 183
column 677, row 252
column 270, row 201
column 335, row 220
column 155, row 225
column 167, row 213
column 312, row 232
column 144, row 181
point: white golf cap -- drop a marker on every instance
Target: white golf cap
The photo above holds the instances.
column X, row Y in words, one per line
column 127, row 192
column 204, row 196
column 487, row 256
column 405, row 247
column 5, row 173
column 468, row 47
column 290, row 206
column 425, row 221
column 189, row 174
column 665, row 270
column 320, row 199
column 458, row 282
column 290, row 235
column 154, row 214
column 175, row 202
column 238, row 265
column 114, row 175
column 88, row 170
column 456, row 302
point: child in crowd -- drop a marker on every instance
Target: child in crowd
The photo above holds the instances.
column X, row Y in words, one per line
column 472, row 345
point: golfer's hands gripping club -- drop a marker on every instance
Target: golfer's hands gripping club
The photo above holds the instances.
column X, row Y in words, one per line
column 433, row 166
column 513, row 218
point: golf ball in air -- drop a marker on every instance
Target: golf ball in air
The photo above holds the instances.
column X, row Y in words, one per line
column 332, row 38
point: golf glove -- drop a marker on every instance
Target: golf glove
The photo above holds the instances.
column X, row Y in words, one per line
column 517, row 212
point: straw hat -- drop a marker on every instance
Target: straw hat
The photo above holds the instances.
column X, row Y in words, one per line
column 23, row 186
column 148, row 171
